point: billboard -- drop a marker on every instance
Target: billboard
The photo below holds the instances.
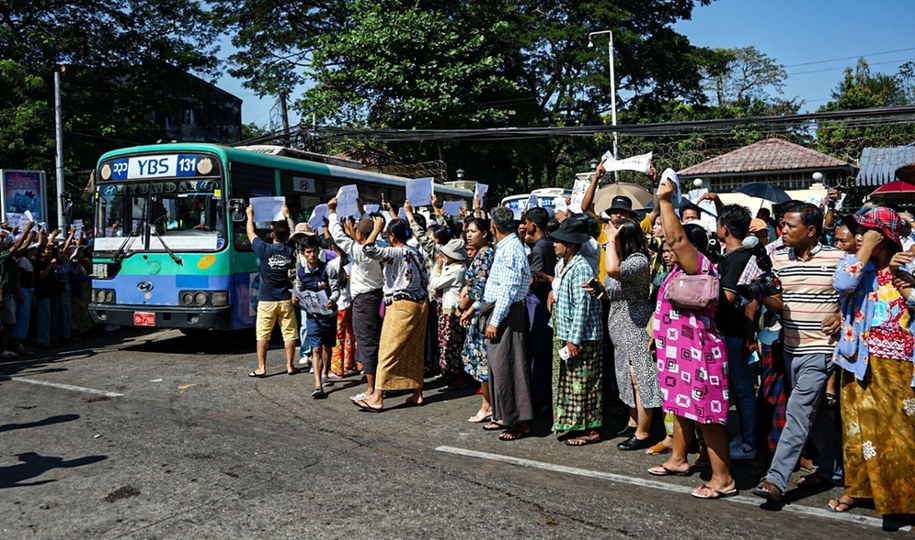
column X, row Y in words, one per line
column 24, row 190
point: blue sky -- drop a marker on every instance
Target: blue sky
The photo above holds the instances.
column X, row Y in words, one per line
column 814, row 39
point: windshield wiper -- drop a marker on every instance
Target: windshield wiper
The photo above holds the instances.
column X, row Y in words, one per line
column 122, row 250
column 171, row 254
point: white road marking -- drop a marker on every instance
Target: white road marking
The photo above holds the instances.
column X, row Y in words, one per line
column 663, row 486
column 64, row 386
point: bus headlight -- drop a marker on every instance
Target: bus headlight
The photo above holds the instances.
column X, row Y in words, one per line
column 220, row 298
column 187, row 298
column 200, row 299
column 103, row 296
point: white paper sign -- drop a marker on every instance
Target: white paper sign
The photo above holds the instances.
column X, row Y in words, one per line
column 268, row 208
column 313, row 302
column 419, row 191
column 12, row 219
column 453, row 208
column 78, row 225
column 815, row 200
column 347, row 204
column 640, row 163
column 371, row 208
column 481, row 191
column 559, row 204
column 670, row 174
column 578, row 194
column 317, row 217
column 532, row 202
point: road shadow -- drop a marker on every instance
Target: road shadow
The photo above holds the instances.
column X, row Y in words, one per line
column 59, row 419
column 238, row 342
column 34, row 465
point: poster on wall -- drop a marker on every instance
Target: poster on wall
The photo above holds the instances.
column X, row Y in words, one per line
column 24, row 191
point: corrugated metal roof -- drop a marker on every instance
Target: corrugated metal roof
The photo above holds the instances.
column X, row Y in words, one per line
column 878, row 165
column 770, row 155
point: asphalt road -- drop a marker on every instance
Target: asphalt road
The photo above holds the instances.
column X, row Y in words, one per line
column 158, row 435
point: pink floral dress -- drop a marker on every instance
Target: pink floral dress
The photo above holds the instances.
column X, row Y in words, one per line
column 692, row 357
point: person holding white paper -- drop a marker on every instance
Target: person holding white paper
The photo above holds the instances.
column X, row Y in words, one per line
column 403, row 333
column 274, row 303
column 322, row 323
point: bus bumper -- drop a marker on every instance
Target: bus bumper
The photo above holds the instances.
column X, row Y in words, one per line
column 207, row 318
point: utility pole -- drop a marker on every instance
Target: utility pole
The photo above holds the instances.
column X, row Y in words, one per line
column 59, row 132
column 284, row 112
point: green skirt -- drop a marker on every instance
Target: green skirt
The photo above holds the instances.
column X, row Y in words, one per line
column 578, row 389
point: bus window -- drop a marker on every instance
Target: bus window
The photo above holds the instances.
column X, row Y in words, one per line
column 251, row 181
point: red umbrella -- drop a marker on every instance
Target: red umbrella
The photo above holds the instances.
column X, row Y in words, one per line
column 896, row 189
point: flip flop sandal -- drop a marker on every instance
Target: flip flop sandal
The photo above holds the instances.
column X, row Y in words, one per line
column 494, row 426
column 257, row 375
column 840, row 504
column 359, row 397
column 513, row 435
column 366, row 407
column 410, row 403
column 581, row 441
column 661, row 470
column 715, row 493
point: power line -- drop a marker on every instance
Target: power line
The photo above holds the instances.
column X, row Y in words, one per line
column 849, row 57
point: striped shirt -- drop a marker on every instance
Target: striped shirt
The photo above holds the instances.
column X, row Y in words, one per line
column 809, row 297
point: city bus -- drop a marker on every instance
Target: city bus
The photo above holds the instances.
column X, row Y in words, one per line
column 170, row 247
column 546, row 196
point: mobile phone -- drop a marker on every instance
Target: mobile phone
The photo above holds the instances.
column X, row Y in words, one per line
column 597, row 289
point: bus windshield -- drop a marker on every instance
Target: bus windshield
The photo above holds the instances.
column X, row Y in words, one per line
column 188, row 215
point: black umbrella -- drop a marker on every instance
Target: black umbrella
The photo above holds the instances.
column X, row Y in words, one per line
column 764, row 190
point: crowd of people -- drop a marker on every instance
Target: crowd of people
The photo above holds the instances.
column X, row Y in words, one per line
column 780, row 339
column 46, row 288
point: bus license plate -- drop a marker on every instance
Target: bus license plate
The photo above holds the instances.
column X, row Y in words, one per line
column 141, row 318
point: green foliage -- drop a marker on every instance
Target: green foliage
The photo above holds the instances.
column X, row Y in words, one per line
column 861, row 89
column 125, row 61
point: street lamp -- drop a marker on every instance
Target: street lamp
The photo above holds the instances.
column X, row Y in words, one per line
column 459, row 173
column 593, row 163
column 612, row 81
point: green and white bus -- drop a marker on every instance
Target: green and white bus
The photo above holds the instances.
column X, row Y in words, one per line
column 170, row 248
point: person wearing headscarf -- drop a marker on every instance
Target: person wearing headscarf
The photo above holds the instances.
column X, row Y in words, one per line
column 875, row 352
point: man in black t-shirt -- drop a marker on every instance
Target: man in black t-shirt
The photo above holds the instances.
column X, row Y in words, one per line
column 274, row 300
column 542, row 259
column 735, row 326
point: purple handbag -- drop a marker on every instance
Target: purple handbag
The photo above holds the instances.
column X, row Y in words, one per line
column 698, row 291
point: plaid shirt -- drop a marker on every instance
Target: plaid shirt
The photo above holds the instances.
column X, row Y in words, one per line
column 509, row 278
column 577, row 316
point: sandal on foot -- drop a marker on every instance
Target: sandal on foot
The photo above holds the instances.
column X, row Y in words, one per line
column 767, row 490
column 480, row 417
column 366, row 407
column 410, row 402
column 713, row 493
column 257, row 375
column 513, row 435
column 839, row 506
column 318, row 393
column 583, row 440
column 658, row 449
column 494, row 426
column 661, row 470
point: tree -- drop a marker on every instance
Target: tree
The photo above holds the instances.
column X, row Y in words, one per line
column 124, row 61
column 861, row 89
column 736, row 76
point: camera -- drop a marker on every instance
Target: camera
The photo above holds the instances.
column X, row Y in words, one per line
column 767, row 284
